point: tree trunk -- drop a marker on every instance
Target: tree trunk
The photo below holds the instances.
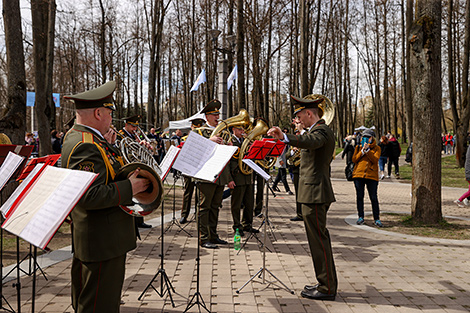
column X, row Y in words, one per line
column 427, row 98
column 304, row 40
column 13, row 123
column 241, row 55
column 408, row 96
column 462, row 126
column 40, row 18
column 50, row 61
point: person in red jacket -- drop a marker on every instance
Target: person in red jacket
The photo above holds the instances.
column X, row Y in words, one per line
column 366, row 173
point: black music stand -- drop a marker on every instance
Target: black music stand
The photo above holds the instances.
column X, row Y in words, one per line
column 263, row 269
column 2, row 298
column 174, row 220
column 165, row 283
column 197, row 297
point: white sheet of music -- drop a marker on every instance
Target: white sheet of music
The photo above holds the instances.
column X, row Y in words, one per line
column 202, row 158
column 47, row 204
column 257, row 169
column 168, row 160
column 9, row 166
column 7, row 205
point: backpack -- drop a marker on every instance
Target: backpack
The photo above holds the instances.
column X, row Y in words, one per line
column 348, row 171
column 409, row 154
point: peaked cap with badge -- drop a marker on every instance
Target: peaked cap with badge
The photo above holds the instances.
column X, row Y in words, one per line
column 133, row 120
column 213, row 107
column 95, row 98
column 301, row 104
column 198, row 122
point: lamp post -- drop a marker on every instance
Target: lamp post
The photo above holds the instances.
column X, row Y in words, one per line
column 223, row 66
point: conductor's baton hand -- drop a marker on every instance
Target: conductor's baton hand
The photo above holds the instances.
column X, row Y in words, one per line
column 276, row 132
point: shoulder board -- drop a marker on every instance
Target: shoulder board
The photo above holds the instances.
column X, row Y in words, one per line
column 87, row 137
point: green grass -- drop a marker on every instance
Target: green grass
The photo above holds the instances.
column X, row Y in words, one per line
column 452, row 176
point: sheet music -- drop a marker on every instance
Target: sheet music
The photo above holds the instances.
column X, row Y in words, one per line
column 216, row 162
column 257, row 169
column 168, row 160
column 202, row 158
column 196, row 150
column 47, row 203
column 7, row 205
column 9, row 167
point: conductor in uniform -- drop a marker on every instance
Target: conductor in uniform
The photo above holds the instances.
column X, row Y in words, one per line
column 315, row 191
column 129, row 130
column 211, row 193
column 102, row 233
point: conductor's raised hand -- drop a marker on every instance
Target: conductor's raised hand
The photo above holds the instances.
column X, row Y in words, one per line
column 276, row 132
column 138, row 184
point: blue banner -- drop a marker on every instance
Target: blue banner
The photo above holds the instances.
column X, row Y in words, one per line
column 31, row 99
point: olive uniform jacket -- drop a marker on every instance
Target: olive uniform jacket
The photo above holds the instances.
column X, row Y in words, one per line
column 101, row 230
column 317, row 147
column 239, row 178
column 225, row 177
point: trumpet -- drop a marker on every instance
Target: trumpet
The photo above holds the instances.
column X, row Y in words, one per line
column 294, row 159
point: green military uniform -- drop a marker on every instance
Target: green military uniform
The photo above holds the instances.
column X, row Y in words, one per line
column 316, row 194
column 243, row 192
column 295, row 173
column 188, row 182
column 211, row 193
column 102, row 233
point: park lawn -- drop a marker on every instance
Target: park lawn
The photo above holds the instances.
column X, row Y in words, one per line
column 452, row 175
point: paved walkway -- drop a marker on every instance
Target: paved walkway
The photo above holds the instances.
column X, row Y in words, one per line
column 378, row 271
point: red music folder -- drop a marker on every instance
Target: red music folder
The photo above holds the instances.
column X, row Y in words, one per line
column 260, row 149
column 278, row 149
column 47, row 160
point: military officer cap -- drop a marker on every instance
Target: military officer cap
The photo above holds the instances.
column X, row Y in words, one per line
column 198, row 122
column 133, row 120
column 212, row 107
column 95, row 98
column 301, row 104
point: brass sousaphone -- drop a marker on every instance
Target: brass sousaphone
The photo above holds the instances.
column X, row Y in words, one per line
column 4, row 140
column 260, row 129
column 240, row 120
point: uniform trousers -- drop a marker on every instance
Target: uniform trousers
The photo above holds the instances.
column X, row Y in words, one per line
column 97, row 286
column 211, row 199
column 314, row 215
column 243, row 194
column 187, row 196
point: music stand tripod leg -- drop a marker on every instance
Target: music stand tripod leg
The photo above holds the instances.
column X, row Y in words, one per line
column 197, row 297
column 174, row 221
column 165, row 283
column 262, row 270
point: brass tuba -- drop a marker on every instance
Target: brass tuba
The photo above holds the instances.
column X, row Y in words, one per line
column 4, row 140
column 240, row 120
column 326, row 106
column 259, row 130
column 137, row 156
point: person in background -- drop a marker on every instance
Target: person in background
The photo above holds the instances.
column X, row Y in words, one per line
column 384, row 154
column 177, row 136
column 460, row 201
column 366, row 173
column 282, row 171
column 55, row 142
column 393, row 156
column 349, row 145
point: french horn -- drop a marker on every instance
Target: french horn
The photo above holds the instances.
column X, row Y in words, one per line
column 138, row 156
column 326, row 106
